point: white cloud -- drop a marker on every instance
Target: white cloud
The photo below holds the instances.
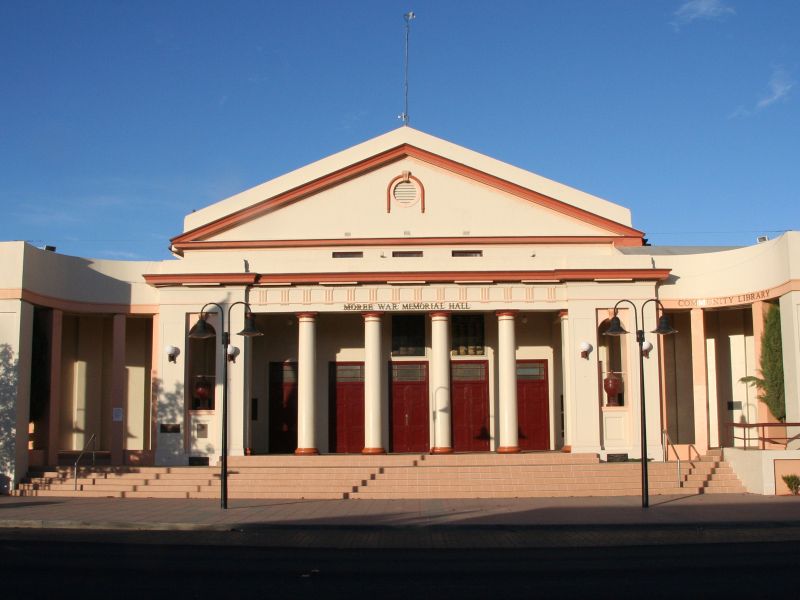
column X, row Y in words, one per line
column 695, row 10
column 780, row 84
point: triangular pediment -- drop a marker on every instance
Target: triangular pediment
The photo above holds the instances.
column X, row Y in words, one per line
column 423, row 191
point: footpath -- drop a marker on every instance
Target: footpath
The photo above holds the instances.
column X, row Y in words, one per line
column 489, row 523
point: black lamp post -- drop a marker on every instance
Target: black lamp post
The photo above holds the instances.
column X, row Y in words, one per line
column 201, row 330
column 664, row 328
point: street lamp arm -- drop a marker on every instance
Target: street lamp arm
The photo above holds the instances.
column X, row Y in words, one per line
column 639, row 333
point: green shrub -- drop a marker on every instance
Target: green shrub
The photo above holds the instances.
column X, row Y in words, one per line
column 770, row 384
column 793, row 483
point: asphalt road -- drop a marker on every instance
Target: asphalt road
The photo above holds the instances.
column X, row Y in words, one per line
column 93, row 564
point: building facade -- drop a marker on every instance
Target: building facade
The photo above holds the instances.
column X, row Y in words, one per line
column 414, row 296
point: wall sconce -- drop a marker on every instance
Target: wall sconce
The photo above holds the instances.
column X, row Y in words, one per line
column 646, row 347
column 585, row 348
column 172, row 353
column 232, row 352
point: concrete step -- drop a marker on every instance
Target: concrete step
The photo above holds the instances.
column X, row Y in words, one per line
column 367, row 495
column 70, row 493
column 394, row 476
column 523, row 458
column 323, row 460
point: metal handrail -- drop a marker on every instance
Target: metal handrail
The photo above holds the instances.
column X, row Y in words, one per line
column 667, row 442
column 93, row 442
column 762, row 438
column 696, row 451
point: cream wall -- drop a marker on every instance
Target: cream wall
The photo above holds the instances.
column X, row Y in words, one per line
column 679, row 397
column 138, row 349
column 85, row 382
column 408, row 135
column 16, row 329
column 725, row 278
column 170, row 393
column 454, row 206
column 733, row 358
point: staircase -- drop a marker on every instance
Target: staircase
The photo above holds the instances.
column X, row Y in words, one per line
column 394, row 476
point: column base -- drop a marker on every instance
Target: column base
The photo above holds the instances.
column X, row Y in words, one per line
column 441, row 450
column 508, row 450
column 306, row 452
column 566, row 448
column 373, row 451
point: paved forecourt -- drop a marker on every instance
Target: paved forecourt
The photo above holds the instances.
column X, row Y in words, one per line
column 444, row 523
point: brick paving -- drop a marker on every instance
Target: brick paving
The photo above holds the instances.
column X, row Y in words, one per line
column 431, row 523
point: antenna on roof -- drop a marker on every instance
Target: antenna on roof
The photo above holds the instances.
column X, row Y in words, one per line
column 409, row 16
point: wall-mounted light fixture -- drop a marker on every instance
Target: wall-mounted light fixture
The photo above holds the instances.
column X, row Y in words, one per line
column 646, row 347
column 586, row 349
column 232, row 353
column 172, row 353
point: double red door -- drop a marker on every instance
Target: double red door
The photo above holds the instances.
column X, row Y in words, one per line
column 469, row 400
column 533, row 405
column 409, row 407
column 347, row 406
column 282, row 408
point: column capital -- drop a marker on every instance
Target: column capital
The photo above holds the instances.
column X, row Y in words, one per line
column 563, row 314
column 506, row 313
column 306, row 315
column 437, row 314
column 373, row 314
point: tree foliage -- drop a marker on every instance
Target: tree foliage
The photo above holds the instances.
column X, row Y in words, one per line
column 770, row 384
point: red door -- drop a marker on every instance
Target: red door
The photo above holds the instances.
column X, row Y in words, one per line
column 409, row 412
column 470, row 404
column 533, row 405
column 347, row 407
column 282, row 408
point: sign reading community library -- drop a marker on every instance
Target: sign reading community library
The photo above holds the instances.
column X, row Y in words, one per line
column 726, row 300
column 401, row 306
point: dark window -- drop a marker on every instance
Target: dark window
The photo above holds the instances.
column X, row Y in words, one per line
column 347, row 255
column 460, row 253
column 351, row 373
column 530, row 372
column 409, row 372
column 469, row 371
column 407, row 254
column 202, row 357
column 467, row 335
column 408, row 335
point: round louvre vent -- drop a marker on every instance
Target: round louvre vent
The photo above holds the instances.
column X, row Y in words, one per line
column 406, row 193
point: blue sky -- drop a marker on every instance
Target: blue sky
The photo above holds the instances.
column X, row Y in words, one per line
column 119, row 117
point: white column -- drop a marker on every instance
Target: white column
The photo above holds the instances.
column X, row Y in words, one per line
column 54, row 432
column 237, row 389
column 119, row 400
column 440, row 382
column 699, row 379
column 373, row 384
column 790, row 343
column 507, row 380
column 306, row 367
column 566, row 377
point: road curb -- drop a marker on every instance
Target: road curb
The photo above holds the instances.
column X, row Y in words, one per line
column 446, row 536
column 109, row 525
